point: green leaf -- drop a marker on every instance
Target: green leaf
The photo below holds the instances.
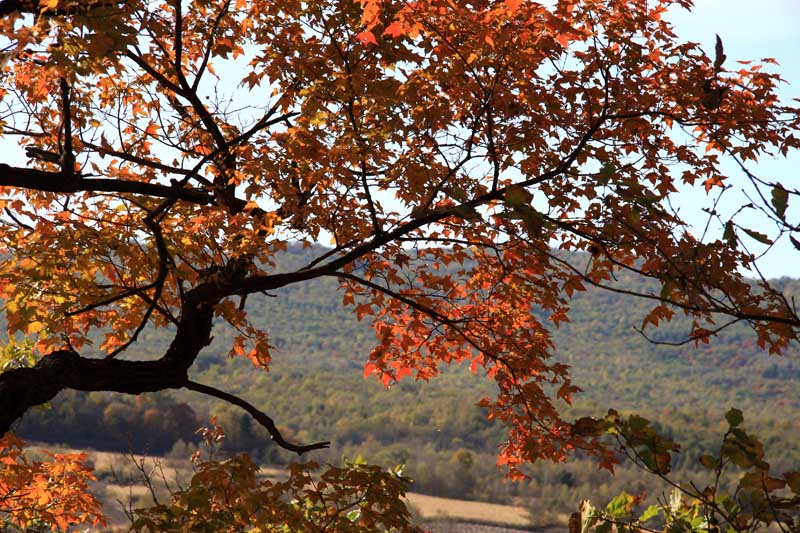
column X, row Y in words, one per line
column 517, row 196
column 708, row 461
column 467, row 213
column 780, row 200
column 699, row 524
column 734, row 417
column 455, row 192
column 729, row 235
column 649, row 513
column 606, row 173
column 621, row 506
column 760, row 237
column 605, row 527
column 534, row 222
column 665, row 290
column 638, row 423
column 17, row 354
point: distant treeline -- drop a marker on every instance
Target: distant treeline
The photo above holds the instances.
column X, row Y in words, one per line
column 315, row 391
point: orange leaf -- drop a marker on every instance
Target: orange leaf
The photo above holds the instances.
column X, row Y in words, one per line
column 367, row 37
column 563, row 39
column 395, row 29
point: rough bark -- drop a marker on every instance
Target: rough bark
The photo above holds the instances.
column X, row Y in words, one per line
column 23, row 388
column 42, row 180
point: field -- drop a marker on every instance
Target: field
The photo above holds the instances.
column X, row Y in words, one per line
column 120, row 484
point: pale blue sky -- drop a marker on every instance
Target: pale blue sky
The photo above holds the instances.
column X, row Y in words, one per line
column 752, row 29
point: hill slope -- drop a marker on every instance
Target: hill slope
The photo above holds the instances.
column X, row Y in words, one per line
column 315, row 391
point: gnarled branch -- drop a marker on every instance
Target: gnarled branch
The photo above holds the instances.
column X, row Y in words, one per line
column 260, row 417
column 23, row 388
column 43, row 180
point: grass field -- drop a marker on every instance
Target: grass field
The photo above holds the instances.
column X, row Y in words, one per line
column 120, row 486
column 432, row 507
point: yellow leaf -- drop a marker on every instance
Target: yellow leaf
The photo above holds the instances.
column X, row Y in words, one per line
column 319, row 119
column 35, row 327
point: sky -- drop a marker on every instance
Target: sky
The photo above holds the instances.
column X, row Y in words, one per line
column 749, row 29
column 753, row 29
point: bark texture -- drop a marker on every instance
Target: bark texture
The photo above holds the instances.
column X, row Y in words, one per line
column 23, row 388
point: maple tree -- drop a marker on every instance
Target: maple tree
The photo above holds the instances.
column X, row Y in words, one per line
column 226, row 495
column 451, row 152
column 358, row 498
column 55, row 492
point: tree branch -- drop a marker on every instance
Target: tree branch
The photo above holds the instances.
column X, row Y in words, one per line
column 23, row 388
column 67, row 156
column 158, row 285
column 260, row 417
column 157, row 165
column 43, row 180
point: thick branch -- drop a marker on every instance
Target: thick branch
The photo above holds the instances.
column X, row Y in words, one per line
column 42, row 180
column 67, row 156
column 260, row 417
column 23, row 388
column 149, row 163
column 8, row 7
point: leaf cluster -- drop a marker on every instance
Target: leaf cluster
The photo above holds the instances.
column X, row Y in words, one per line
column 227, row 496
column 757, row 498
column 52, row 494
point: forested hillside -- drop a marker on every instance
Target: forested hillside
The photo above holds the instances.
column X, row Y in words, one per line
column 315, row 390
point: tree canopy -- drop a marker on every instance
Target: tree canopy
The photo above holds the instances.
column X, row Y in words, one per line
column 454, row 155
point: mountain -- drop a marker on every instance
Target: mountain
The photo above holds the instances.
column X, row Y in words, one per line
column 315, row 390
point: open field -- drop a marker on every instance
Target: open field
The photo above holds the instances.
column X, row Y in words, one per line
column 120, row 485
column 432, row 507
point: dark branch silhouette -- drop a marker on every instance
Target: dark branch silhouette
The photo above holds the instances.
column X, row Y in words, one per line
column 258, row 415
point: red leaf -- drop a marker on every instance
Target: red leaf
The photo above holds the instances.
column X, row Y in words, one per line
column 366, row 37
column 395, row 29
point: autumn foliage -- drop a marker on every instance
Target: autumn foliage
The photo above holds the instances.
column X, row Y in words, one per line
column 227, row 496
column 453, row 155
column 51, row 493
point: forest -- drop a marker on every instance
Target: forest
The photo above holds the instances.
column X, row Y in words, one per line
column 435, row 429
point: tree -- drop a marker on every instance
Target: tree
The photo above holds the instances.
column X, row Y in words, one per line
column 455, row 155
column 39, row 493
